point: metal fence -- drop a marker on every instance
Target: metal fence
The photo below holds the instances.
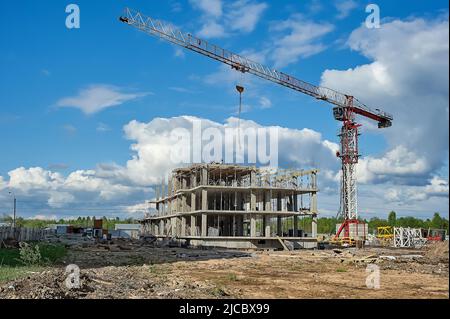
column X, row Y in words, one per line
column 23, row 234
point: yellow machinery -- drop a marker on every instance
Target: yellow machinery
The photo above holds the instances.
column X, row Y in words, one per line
column 385, row 235
column 343, row 241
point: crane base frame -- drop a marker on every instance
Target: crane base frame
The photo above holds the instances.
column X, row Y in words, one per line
column 345, row 226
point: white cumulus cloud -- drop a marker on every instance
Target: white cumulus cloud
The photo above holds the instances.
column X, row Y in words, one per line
column 222, row 19
column 298, row 38
column 96, row 98
column 408, row 77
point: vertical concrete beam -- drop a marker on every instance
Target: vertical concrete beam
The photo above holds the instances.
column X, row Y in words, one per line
column 204, row 200
column 183, row 203
column 314, row 227
column 279, row 230
column 252, row 216
column 268, row 202
column 193, row 180
column 267, row 232
column 240, row 225
column 193, row 225
column 173, row 223
column 178, row 207
column 279, row 202
column 204, row 225
column 253, row 178
column 183, row 226
column 314, row 203
column 193, row 199
column 295, row 225
column 204, row 176
column 253, row 226
column 161, row 227
column 252, row 200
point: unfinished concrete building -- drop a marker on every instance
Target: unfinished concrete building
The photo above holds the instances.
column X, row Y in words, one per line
column 233, row 206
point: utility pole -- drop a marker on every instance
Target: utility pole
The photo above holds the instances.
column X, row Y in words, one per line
column 14, row 209
column 14, row 216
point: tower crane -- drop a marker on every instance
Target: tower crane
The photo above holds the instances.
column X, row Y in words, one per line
column 345, row 107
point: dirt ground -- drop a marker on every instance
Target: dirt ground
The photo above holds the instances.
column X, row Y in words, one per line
column 135, row 270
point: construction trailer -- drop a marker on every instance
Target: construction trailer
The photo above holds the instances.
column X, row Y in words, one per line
column 233, row 206
column 128, row 231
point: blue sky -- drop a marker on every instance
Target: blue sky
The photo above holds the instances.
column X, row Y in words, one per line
column 43, row 64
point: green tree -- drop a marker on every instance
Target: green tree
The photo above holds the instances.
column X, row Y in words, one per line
column 437, row 222
column 392, row 218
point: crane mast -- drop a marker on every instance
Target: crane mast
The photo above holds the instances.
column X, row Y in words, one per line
column 345, row 108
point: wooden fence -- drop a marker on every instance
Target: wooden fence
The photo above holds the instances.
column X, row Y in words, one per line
column 23, row 234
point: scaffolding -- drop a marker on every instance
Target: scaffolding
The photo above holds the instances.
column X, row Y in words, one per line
column 408, row 237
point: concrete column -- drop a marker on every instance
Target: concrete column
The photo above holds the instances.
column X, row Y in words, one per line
column 183, row 203
column 279, row 202
column 204, row 176
column 178, row 209
column 204, row 200
column 267, row 226
column 279, row 230
column 238, row 200
column 193, row 199
column 314, row 227
column 193, row 180
column 295, row 226
column 240, row 225
column 252, row 201
column 314, row 203
column 204, row 225
column 193, row 226
column 253, row 178
column 173, row 223
column 252, row 217
column 253, row 226
column 161, row 226
column 183, row 226
column 268, row 202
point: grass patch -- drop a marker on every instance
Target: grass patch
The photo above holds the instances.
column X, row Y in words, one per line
column 232, row 277
column 12, row 267
column 341, row 270
column 53, row 253
column 8, row 273
column 10, row 257
column 50, row 253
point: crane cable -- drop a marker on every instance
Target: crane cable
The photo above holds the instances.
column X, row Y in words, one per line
column 240, row 89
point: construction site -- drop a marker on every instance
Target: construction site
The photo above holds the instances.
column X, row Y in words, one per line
column 230, row 206
column 219, row 230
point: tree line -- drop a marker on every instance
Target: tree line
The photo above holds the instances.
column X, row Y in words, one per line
column 325, row 225
column 85, row 222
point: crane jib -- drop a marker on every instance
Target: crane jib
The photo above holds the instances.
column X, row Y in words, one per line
column 167, row 32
